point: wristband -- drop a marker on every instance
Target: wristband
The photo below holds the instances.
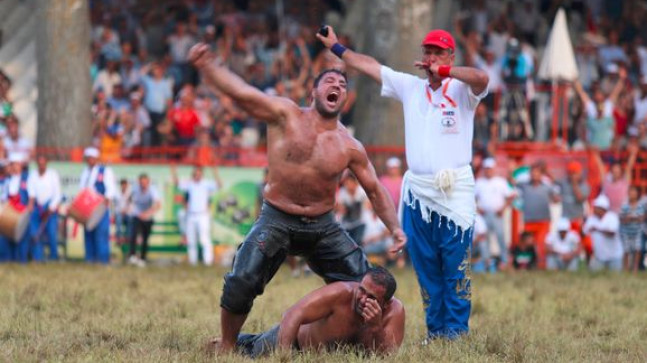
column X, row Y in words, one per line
column 338, row 49
column 443, row 71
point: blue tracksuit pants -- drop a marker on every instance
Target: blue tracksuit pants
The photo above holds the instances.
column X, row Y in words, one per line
column 440, row 252
column 97, row 242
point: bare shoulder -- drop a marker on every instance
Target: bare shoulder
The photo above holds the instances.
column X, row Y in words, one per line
column 351, row 142
column 395, row 309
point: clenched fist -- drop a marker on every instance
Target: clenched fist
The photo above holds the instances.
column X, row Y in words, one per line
column 200, row 55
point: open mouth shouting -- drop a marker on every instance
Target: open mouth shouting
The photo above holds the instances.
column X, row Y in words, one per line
column 332, row 99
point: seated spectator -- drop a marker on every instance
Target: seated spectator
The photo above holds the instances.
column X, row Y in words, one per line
column 350, row 201
column 632, row 217
column 599, row 110
column 107, row 78
column 480, row 246
column 563, row 248
column 14, row 142
column 524, row 255
column 603, row 227
column 377, row 238
column 392, row 180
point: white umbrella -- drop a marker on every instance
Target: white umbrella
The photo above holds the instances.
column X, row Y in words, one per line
column 558, row 62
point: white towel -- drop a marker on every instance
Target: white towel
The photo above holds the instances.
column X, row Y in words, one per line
column 450, row 193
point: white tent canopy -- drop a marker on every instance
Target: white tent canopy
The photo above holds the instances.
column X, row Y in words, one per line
column 558, row 62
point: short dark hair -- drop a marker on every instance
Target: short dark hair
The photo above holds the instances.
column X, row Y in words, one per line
column 143, row 176
column 382, row 277
column 329, row 70
column 527, row 234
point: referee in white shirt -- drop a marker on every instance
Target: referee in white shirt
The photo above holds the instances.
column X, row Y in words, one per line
column 198, row 192
column 101, row 178
column 437, row 203
column 45, row 191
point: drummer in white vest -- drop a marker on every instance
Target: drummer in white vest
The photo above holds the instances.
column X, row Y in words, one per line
column 198, row 217
column 100, row 178
column 45, row 192
column 18, row 198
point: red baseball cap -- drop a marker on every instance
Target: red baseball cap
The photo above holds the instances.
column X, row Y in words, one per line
column 439, row 38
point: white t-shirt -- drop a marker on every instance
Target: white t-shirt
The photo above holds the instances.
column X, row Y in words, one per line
column 605, row 248
column 374, row 227
column 199, row 194
column 562, row 246
column 22, row 145
column 480, row 227
column 640, row 105
column 491, row 193
column 592, row 111
column 45, row 188
column 438, row 134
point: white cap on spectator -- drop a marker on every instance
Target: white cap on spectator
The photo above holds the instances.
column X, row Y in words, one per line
column 563, row 225
column 91, row 152
column 602, row 202
column 16, row 157
column 393, row 162
column 612, row 68
column 489, row 163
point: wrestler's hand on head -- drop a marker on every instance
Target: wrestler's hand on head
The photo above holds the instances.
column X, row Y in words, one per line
column 330, row 39
column 200, row 55
column 372, row 312
column 399, row 240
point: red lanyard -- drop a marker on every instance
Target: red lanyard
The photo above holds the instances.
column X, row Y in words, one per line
column 442, row 105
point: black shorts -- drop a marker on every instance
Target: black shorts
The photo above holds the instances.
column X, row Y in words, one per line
column 327, row 248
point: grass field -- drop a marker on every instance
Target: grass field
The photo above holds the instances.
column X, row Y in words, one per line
column 86, row 313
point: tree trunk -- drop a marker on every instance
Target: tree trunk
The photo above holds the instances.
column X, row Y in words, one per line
column 64, row 89
column 390, row 31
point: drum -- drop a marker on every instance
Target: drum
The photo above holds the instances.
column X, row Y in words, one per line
column 88, row 208
column 13, row 224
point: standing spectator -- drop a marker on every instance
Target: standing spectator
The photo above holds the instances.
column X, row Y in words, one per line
column 493, row 196
column 563, row 247
column 392, row 180
column 45, row 191
column 516, row 71
column 179, row 44
column 632, row 217
column 524, row 254
column 144, row 202
column 599, row 110
column 640, row 102
column 350, row 202
column 19, row 199
column 615, row 183
column 377, row 238
column 574, row 192
column 603, row 227
column 158, row 93
column 536, row 197
column 122, row 212
column 141, row 119
column 612, row 52
column 185, row 119
column 101, row 179
column 198, row 216
column 481, row 246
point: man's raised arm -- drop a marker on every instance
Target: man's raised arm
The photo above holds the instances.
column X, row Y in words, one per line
column 258, row 104
column 361, row 62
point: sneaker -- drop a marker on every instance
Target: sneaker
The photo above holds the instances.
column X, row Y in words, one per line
column 133, row 260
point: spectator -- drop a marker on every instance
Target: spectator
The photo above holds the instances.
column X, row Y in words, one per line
column 484, row 128
column 516, row 71
column 481, row 246
column 107, row 78
column 640, row 102
column 158, row 93
column 524, row 255
column 603, row 227
column 144, row 203
column 376, row 238
column 536, row 197
column 493, row 195
column 632, row 217
column 350, row 201
column 612, row 52
column 563, row 247
column 392, row 180
column 574, row 192
column 119, row 100
column 179, row 44
column 13, row 142
column 141, row 119
column 599, row 110
column 122, row 212
column 615, row 183
column 185, row 119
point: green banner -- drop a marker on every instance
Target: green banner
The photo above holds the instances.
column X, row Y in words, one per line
column 233, row 206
